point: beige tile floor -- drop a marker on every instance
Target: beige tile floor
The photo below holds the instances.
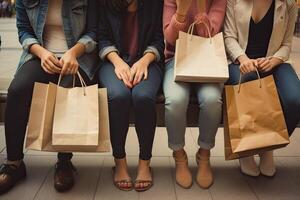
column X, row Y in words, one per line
column 94, row 170
column 93, row 180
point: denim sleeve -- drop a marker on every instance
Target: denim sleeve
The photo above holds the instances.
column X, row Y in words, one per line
column 26, row 33
column 90, row 37
column 105, row 36
column 157, row 46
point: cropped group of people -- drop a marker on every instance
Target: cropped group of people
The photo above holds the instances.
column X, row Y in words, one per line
column 128, row 47
column 6, row 8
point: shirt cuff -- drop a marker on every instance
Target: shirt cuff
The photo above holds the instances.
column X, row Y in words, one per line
column 26, row 44
column 106, row 50
column 178, row 25
column 88, row 42
column 152, row 49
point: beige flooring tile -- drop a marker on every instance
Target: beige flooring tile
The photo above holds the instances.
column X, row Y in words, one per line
column 2, row 139
column 106, row 190
column 229, row 182
column 284, row 186
column 37, row 170
column 163, row 187
column 88, row 169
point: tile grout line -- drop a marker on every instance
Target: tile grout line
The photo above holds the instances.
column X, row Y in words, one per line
column 173, row 180
column 98, row 180
column 49, row 171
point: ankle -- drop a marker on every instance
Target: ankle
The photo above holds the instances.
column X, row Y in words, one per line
column 16, row 162
column 180, row 152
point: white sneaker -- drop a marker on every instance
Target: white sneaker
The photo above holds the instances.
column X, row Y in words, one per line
column 267, row 166
column 249, row 166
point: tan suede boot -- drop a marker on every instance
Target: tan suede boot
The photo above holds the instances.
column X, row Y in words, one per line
column 204, row 175
column 183, row 174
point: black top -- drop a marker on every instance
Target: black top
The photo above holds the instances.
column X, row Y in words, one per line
column 260, row 34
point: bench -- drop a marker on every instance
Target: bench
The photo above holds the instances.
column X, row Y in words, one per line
column 192, row 113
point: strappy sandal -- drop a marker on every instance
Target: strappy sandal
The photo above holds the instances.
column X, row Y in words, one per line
column 118, row 184
column 148, row 183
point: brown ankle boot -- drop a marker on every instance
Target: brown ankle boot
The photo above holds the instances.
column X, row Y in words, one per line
column 183, row 174
column 204, row 175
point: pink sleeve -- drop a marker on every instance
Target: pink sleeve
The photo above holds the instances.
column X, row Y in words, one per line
column 170, row 25
column 215, row 16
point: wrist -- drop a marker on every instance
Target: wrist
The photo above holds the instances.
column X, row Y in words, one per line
column 243, row 58
column 180, row 17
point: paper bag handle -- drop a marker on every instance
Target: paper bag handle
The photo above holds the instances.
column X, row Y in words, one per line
column 82, row 82
column 192, row 27
column 259, row 78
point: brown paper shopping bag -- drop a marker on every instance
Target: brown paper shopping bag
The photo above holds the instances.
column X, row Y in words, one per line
column 39, row 133
column 41, row 116
column 199, row 59
column 76, row 115
column 253, row 119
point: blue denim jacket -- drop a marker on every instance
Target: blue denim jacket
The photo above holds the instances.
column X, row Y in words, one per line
column 31, row 17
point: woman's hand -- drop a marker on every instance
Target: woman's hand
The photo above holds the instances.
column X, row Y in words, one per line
column 267, row 64
column 247, row 65
column 182, row 8
column 69, row 63
column 139, row 71
column 122, row 71
column 202, row 19
column 49, row 61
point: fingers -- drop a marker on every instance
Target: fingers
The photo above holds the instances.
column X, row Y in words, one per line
column 146, row 74
column 46, row 69
column 125, row 80
column 137, row 78
column 53, row 67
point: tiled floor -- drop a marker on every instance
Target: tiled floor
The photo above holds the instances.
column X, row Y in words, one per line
column 94, row 174
column 94, row 170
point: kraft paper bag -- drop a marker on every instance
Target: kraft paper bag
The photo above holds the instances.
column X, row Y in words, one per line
column 75, row 116
column 199, row 59
column 41, row 116
column 40, row 138
column 253, row 119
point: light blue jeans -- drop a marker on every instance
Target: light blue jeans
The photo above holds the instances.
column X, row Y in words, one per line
column 177, row 96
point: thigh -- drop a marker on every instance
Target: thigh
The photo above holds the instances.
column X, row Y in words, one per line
column 149, row 88
column 287, row 81
column 109, row 80
column 174, row 90
column 30, row 73
column 234, row 75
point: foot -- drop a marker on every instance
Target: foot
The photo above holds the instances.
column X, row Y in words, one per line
column 249, row 166
column 143, row 181
column 267, row 166
column 64, row 176
column 204, row 175
column 121, row 177
column 10, row 175
column 183, row 174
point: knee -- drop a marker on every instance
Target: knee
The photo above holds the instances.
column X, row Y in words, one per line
column 141, row 98
column 211, row 99
column 177, row 104
column 293, row 101
column 18, row 88
column 117, row 96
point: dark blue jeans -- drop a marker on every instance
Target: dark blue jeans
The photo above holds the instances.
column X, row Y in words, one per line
column 288, row 87
column 142, row 98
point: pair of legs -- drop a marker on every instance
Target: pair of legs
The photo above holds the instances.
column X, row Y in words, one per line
column 142, row 99
column 17, row 114
column 288, row 87
column 177, row 96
